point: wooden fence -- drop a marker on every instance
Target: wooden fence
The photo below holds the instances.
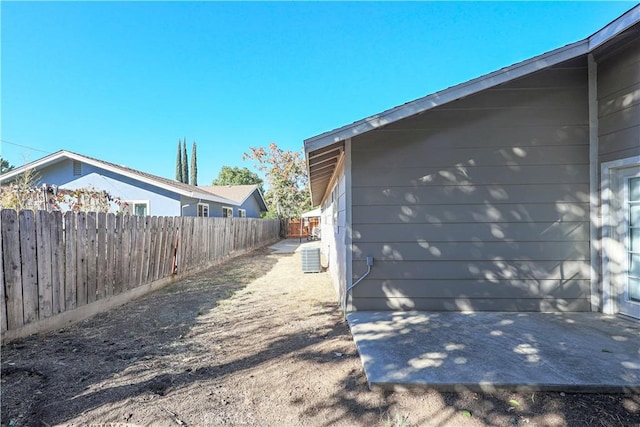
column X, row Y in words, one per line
column 53, row 263
column 296, row 228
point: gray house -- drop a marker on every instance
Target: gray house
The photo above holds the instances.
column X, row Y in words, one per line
column 515, row 191
column 145, row 194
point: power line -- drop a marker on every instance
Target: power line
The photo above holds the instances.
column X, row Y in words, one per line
column 24, row 146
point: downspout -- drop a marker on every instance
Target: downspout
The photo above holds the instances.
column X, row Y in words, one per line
column 595, row 222
column 348, row 237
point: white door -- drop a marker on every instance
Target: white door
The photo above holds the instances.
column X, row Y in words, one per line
column 621, row 237
column 629, row 298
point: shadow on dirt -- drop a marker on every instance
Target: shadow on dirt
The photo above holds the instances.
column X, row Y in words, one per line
column 149, row 350
column 48, row 378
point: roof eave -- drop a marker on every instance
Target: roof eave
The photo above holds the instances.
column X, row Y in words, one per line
column 59, row 155
column 616, row 27
column 37, row 164
column 556, row 56
column 428, row 102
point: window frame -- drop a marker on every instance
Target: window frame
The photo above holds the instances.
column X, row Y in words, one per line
column 242, row 213
column 225, row 209
column 132, row 206
column 203, row 206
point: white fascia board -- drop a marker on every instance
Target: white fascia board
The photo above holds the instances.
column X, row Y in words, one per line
column 150, row 181
column 249, row 194
column 451, row 94
column 37, row 164
column 628, row 19
column 264, row 202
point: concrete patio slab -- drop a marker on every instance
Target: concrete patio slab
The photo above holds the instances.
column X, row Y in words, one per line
column 571, row 352
column 289, row 246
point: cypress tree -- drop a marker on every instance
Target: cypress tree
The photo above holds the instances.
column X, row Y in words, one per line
column 179, row 163
column 194, row 166
column 185, row 163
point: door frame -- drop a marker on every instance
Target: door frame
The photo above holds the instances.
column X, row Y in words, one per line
column 610, row 243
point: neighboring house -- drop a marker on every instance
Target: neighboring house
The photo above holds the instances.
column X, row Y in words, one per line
column 515, row 191
column 248, row 198
column 144, row 193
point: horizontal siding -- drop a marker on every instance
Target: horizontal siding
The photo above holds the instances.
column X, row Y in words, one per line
column 500, row 117
column 475, row 175
column 557, row 77
column 483, row 201
column 464, row 303
column 513, row 98
column 461, row 232
column 472, row 194
column 619, row 71
column 619, row 104
column 477, row 270
column 506, row 288
column 333, row 234
column 472, row 137
column 399, row 155
column 620, row 100
column 473, row 251
column 624, row 118
column 477, row 213
column 615, row 142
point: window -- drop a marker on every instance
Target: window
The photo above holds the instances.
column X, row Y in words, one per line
column 203, row 209
column 141, row 209
column 137, row 207
column 227, row 212
column 77, row 168
column 242, row 213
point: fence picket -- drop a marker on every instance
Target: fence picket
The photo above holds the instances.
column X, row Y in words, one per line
column 111, row 260
column 152, row 247
column 29, row 267
column 43, row 257
column 134, row 274
column 81, row 259
column 158, row 251
column 101, row 271
column 53, row 263
column 12, row 269
column 57, row 261
column 118, row 255
column 127, row 225
column 70, row 260
column 92, row 256
column 3, row 307
column 142, row 242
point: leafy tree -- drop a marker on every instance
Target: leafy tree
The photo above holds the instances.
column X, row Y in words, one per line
column 185, row 163
column 179, row 162
column 194, row 166
column 288, row 194
column 5, row 166
column 235, row 176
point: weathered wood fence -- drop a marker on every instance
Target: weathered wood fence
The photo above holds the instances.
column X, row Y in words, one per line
column 296, row 227
column 53, row 263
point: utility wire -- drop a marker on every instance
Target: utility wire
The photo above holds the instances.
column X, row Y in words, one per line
column 24, row 146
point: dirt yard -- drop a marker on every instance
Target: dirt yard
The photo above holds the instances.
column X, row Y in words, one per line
column 251, row 342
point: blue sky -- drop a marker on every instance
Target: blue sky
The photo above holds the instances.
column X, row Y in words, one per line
column 123, row 81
